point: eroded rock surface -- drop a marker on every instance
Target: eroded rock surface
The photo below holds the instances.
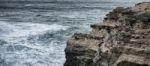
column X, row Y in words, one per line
column 123, row 39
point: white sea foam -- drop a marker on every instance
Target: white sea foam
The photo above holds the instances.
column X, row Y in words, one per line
column 26, row 29
column 21, row 49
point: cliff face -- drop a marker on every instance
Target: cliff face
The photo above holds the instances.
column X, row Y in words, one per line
column 123, row 39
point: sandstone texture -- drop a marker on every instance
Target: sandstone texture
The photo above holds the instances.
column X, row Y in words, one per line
column 122, row 39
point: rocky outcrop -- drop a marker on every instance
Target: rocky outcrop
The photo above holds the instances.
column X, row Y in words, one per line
column 123, row 39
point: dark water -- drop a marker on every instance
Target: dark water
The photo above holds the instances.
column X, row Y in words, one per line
column 35, row 33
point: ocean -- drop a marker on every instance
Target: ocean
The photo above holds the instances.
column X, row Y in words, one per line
column 34, row 32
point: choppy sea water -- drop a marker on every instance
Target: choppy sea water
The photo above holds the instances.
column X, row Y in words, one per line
column 35, row 33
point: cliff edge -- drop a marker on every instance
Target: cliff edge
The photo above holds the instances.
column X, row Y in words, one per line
column 122, row 39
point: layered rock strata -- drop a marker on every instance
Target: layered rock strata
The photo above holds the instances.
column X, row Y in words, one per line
column 122, row 39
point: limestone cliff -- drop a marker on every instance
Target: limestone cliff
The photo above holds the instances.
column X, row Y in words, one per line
column 122, row 39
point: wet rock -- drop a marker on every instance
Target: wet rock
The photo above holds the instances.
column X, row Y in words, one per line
column 123, row 39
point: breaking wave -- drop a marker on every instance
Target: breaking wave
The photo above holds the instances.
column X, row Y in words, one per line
column 23, row 41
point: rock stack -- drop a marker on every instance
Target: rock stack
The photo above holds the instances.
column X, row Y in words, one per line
column 122, row 39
